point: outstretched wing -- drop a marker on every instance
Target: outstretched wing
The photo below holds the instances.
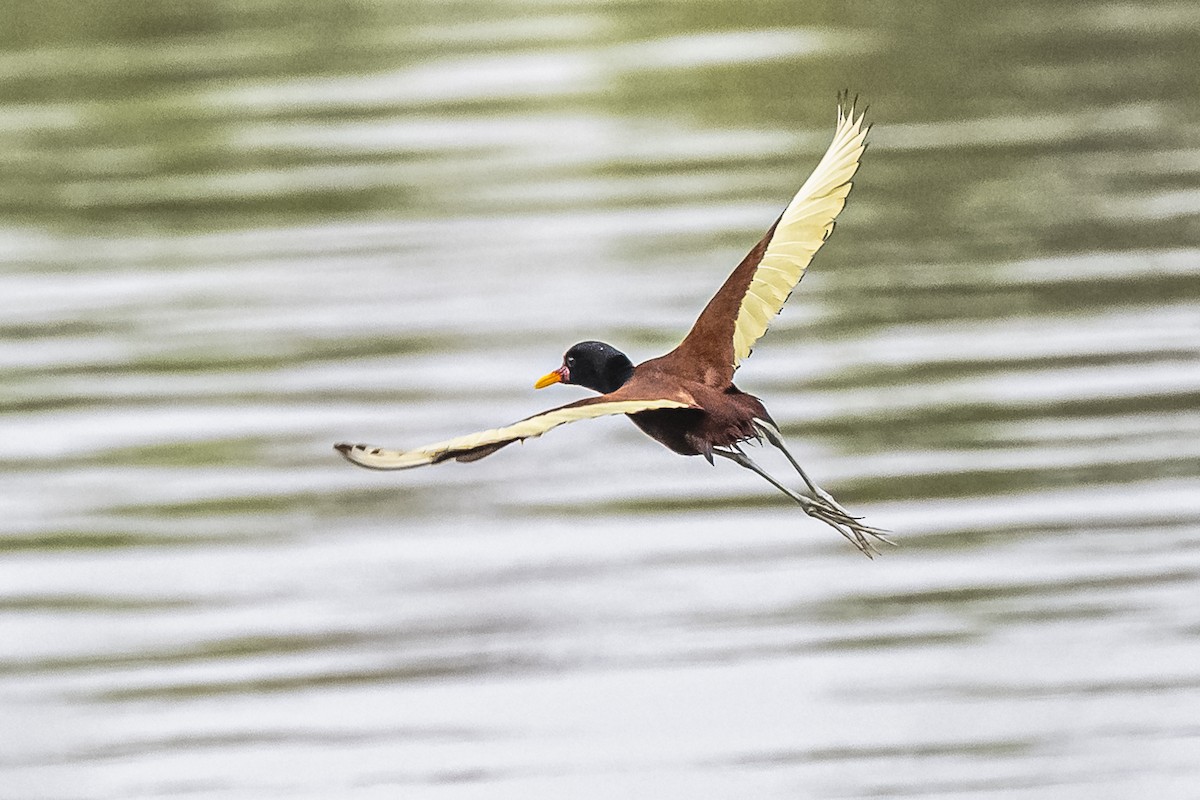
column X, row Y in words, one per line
column 474, row 446
column 739, row 313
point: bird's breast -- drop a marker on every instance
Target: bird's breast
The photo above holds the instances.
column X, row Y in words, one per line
column 721, row 420
column 673, row 428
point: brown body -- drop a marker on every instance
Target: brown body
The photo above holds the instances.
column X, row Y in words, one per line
column 721, row 417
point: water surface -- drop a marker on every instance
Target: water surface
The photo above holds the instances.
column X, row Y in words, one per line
column 232, row 235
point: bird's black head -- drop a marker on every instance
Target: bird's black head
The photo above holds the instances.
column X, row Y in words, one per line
column 596, row 365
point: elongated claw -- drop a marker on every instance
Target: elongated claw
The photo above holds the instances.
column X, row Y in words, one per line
column 821, row 506
column 826, row 508
column 851, row 527
column 828, row 498
column 854, row 532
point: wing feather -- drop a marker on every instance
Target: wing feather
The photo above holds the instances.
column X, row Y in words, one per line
column 474, row 446
column 804, row 226
column 738, row 314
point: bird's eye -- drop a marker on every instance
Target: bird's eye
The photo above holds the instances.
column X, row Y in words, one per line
column 571, row 361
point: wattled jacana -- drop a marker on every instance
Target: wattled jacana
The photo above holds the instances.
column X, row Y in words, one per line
column 686, row 399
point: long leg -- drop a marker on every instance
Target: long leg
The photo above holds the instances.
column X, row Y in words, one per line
column 772, row 435
column 833, row 516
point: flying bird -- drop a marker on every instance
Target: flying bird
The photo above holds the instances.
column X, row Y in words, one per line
column 686, row 399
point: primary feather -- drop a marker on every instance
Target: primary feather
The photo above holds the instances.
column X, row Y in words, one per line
column 738, row 314
column 799, row 233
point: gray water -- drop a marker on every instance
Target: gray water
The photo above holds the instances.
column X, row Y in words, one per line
column 233, row 234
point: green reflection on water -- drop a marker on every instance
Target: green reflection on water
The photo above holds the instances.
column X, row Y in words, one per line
column 132, row 126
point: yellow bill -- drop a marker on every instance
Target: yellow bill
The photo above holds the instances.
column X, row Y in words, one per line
column 559, row 375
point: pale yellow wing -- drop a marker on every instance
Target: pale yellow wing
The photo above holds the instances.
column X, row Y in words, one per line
column 739, row 313
column 800, row 232
column 477, row 445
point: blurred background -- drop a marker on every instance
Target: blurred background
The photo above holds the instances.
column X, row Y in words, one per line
column 233, row 233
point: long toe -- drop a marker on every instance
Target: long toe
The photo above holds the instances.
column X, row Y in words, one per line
column 828, row 498
column 855, row 531
column 847, row 528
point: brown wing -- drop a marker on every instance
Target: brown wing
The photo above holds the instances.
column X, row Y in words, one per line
column 739, row 313
column 475, row 446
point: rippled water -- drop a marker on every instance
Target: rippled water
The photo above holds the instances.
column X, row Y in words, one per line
column 233, row 234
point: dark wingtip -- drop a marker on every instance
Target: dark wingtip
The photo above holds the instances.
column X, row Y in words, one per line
column 343, row 448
